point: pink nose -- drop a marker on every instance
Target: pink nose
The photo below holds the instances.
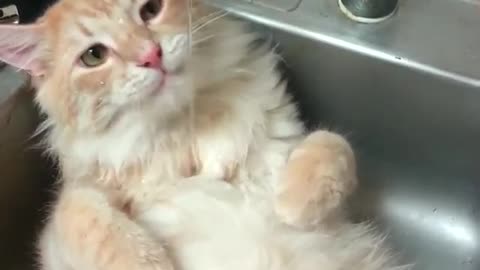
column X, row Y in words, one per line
column 151, row 58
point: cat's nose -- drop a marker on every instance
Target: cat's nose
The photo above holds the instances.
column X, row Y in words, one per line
column 151, row 57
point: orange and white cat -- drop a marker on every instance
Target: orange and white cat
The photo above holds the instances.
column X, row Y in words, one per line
column 179, row 147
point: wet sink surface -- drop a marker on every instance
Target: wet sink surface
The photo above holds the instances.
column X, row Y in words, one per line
column 410, row 107
column 416, row 140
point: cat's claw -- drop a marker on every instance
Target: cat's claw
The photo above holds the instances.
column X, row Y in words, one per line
column 319, row 176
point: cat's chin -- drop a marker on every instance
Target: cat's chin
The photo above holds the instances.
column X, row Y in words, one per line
column 154, row 88
column 159, row 86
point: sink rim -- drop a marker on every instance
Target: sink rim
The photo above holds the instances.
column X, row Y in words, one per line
column 324, row 22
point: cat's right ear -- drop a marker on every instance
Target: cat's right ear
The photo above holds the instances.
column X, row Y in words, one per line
column 20, row 47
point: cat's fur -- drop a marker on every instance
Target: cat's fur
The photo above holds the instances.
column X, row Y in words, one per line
column 211, row 170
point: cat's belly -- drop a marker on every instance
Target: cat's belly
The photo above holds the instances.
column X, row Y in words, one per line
column 209, row 225
column 212, row 226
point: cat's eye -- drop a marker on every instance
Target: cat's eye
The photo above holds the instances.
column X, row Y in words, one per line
column 150, row 10
column 94, row 56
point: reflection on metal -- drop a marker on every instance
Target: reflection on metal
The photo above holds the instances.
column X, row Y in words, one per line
column 8, row 15
column 281, row 5
column 368, row 11
column 402, row 39
column 442, row 223
column 20, row 165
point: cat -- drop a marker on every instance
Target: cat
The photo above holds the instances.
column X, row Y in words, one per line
column 175, row 136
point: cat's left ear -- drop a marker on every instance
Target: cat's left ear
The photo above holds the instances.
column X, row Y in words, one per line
column 20, row 47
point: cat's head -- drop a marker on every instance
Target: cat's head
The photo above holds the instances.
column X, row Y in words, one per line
column 94, row 60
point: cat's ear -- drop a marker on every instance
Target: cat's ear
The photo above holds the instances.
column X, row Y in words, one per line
column 20, row 47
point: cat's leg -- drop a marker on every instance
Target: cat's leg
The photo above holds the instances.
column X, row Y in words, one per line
column 87, row 232
column 319, row 175
column 50, row 253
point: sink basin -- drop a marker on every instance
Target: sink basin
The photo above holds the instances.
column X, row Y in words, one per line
column 407, row 95
column 24, row 175
column 406, row 92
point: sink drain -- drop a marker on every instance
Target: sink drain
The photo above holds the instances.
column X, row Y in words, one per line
column 368, row 11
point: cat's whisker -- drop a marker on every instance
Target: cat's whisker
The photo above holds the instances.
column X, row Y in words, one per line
column 245, row 71
column 202, row 40
column 205, row 18
column 190, row 35
column 193, row 26
column 202, row 20
column 195, row 30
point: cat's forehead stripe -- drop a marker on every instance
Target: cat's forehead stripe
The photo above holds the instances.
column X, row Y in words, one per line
column 88, row 18
column 97, row 8
column 83, row 29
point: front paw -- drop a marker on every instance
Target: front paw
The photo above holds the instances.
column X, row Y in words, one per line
column 147, row 256
column 319, row 175
column 155, row 264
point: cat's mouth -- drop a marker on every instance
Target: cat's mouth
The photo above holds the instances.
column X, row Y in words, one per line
column 150, row 85
column 165, row 77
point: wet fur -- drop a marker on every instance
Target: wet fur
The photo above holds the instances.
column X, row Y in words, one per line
column 213, row 171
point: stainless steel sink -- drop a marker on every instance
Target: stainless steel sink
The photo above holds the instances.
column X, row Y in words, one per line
column 405, row 91
column 25, row 175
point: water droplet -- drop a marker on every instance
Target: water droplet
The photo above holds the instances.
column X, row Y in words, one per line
column 102, row 83
column 434, row 210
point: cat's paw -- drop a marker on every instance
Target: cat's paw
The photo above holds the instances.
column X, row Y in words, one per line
column 150, row 256
column 145, row 265
column 319, row 175
column 157, row 264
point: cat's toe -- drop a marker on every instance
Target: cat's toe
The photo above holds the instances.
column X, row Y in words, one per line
column 308, row 206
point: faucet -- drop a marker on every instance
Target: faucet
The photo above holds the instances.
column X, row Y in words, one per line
column 368, row 11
